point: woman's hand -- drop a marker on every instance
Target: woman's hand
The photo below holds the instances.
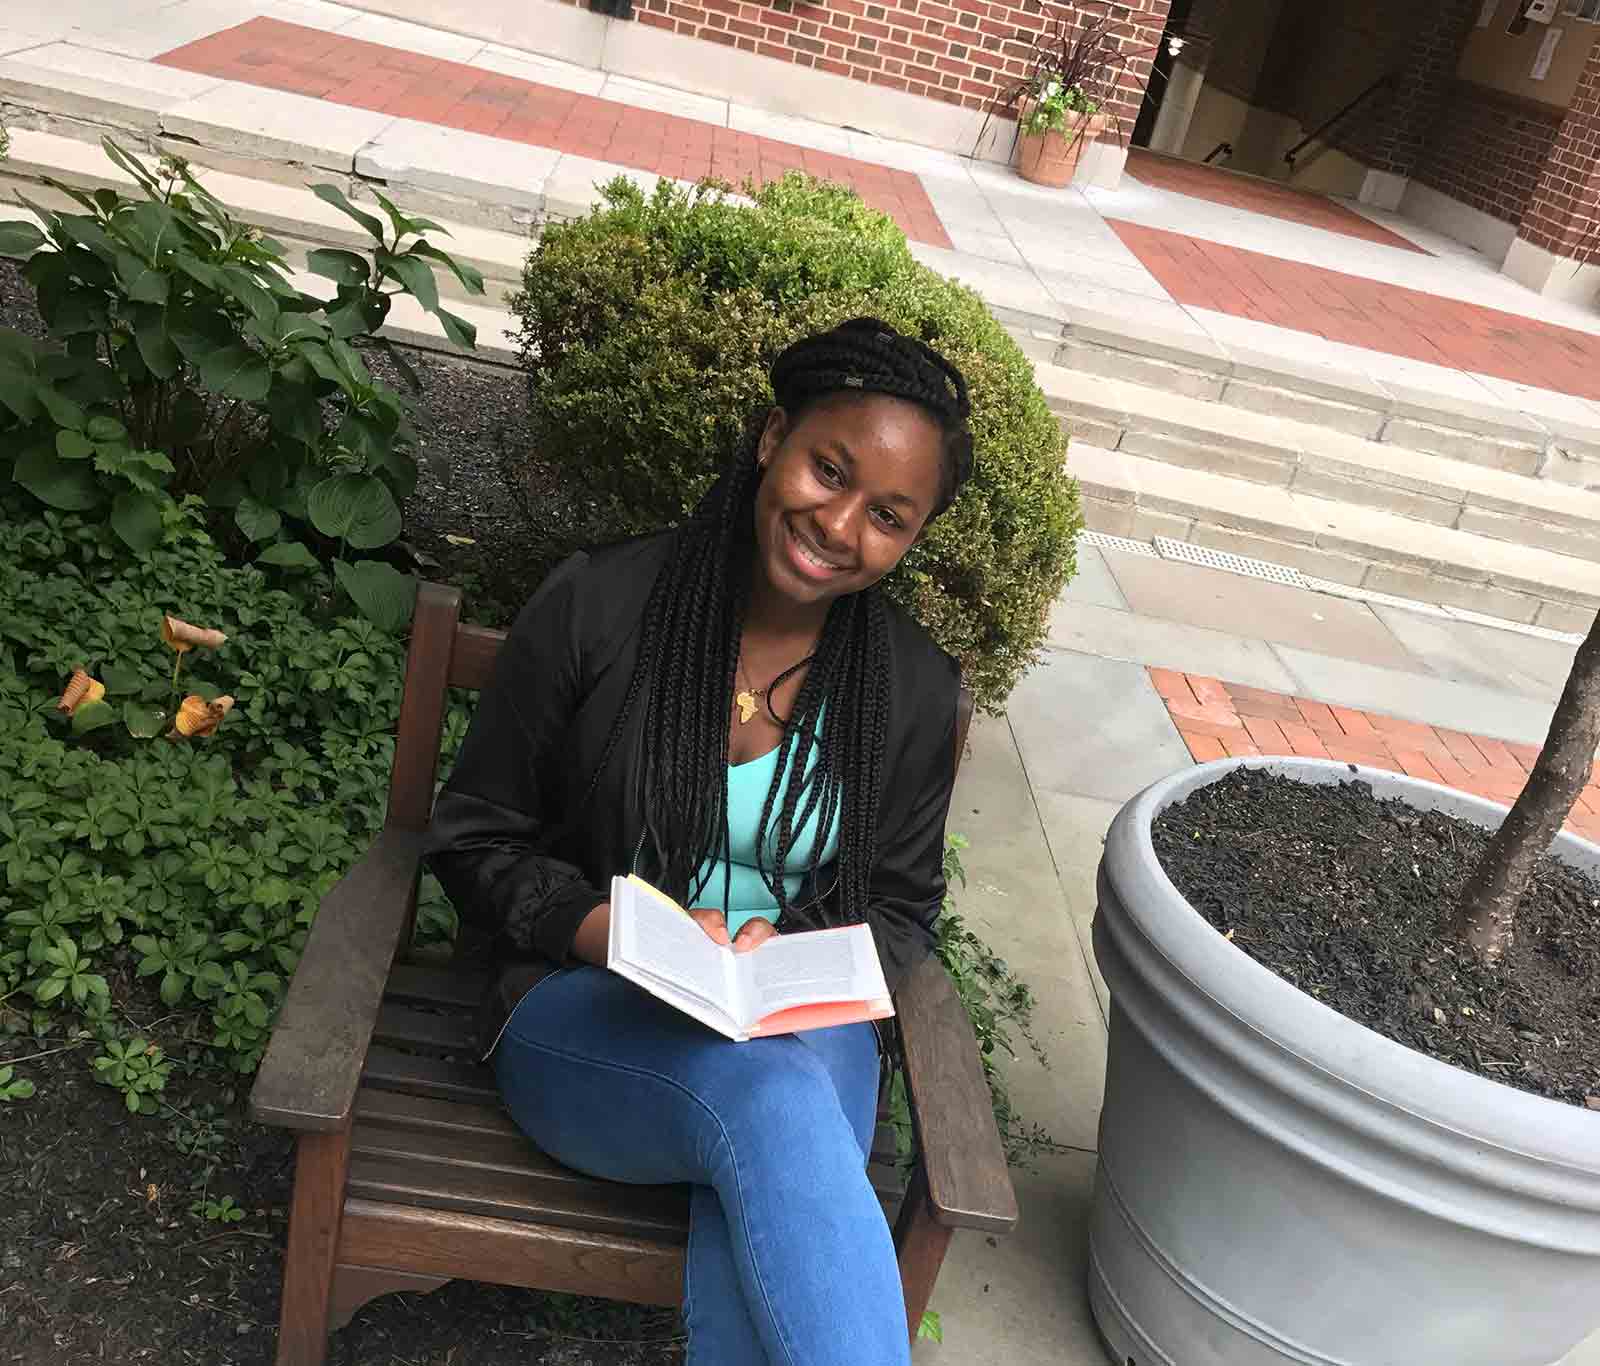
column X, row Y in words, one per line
column 752, row 934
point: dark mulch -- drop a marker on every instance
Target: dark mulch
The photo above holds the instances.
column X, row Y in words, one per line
column 101, row 1259
column 1349, row 899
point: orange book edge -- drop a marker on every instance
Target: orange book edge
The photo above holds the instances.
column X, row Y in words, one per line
column 823, row 1015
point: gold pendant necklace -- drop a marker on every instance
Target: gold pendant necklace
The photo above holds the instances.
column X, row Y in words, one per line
column 749, row 701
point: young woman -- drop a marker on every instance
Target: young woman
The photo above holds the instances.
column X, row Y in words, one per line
column 734, row 711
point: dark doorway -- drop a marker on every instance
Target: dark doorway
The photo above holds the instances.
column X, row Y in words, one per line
column 1155, row 92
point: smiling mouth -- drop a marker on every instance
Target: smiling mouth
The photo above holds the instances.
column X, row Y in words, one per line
column 809, row 557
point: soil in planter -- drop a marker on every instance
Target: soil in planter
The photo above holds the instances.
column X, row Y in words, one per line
column 1349, row 898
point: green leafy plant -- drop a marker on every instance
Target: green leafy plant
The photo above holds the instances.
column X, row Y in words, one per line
column 196, row 870
column 930, row 1327
column 13, row 1088
column 1051, row 105
column 183, row 360
column 648, row 328
column 223, row 1211
column 138, row 1068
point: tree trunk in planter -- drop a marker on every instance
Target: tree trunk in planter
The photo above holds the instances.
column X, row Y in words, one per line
column 1487, row 915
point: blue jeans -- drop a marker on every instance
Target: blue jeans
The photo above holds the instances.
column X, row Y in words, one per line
column 790, row 1261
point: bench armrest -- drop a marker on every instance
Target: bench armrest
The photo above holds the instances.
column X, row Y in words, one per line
column 969, row 1185
column 312, row 1066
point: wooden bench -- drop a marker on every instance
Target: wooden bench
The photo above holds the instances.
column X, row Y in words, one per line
column 408, row 1173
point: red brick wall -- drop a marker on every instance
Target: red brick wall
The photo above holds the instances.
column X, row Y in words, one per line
column 1566, row 202
column 963, row 52
column 1488, row 150
column 1402, row 123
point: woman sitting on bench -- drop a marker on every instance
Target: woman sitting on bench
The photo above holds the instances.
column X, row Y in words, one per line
column 733, row 710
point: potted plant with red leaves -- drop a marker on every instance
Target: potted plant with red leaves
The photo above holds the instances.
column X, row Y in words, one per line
column 1064, row 100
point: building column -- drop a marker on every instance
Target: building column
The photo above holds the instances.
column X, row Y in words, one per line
column 1553, row 251
column 1140, row 24
column 1391, row 139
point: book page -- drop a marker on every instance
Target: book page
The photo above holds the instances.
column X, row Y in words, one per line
column 652, row 935
column 807, row 968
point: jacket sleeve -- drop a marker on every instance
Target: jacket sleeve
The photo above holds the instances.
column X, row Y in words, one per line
column 492, row 822
column 905, row 891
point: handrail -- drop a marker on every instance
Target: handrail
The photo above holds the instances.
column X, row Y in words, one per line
column 1362, row 98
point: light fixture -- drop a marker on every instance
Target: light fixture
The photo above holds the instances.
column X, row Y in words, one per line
column 1175, row 45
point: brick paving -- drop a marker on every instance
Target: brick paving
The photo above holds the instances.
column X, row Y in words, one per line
column 1258, row 195
column 1220, row 720
column 1367, row 313
column 363, row 75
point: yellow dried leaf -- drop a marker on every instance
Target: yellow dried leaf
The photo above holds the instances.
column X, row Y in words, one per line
column 196, row 717
column 181, row 636
column 80, row 689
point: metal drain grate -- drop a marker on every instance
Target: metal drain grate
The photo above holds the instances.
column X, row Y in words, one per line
column 1101, row 541
column 1231, row 563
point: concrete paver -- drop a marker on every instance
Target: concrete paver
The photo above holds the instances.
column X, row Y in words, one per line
column 1072, row 742
column 1198, row 596
column 1093, row 584
column 1418, row 696
column 1019, row 1300
column 1482, row 655
column 1142, row 639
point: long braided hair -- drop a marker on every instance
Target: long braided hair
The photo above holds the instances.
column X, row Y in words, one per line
column 692, row 634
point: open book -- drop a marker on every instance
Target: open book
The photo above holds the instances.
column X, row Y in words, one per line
column 799, row 981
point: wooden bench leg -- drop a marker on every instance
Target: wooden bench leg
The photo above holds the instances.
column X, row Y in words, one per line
column 919, row 1246
column 355, row 1286
column 321, row 1162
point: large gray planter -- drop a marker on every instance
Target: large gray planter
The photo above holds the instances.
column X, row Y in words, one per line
column 1279, row 1184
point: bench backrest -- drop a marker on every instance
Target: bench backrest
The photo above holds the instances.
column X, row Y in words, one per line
column 449, row 653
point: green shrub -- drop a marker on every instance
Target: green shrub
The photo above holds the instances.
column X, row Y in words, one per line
column 186, row 362
column 648, row 328
column 195, row 864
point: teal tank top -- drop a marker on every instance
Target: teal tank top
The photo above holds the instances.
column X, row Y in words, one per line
column 748, row 895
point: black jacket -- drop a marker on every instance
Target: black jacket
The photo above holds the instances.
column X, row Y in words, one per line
column 516, row 867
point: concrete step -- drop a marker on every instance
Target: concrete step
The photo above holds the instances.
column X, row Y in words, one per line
column 1562, row 449
column 505, row 190
column 1141, row 497
column 1306, row 457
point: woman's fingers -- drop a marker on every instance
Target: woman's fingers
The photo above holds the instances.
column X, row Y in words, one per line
column 752, row 934
column 712, row 922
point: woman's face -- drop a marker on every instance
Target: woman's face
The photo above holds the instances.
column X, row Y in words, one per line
column 845, row 494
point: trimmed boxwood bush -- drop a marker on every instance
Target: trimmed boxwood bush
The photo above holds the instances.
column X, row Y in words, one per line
column 648, row 328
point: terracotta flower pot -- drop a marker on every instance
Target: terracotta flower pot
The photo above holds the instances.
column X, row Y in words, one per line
column 1051, row 158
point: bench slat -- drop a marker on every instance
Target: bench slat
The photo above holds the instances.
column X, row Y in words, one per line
column 407, row 1027
column 419, row 984
column 593, row 1206
column 440, row 1243
column 428, row 1112
column 392, row 1070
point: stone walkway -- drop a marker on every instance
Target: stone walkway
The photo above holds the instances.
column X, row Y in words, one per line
column 451, row 94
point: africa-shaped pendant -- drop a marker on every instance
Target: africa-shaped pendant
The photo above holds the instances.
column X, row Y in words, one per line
column 747, row 705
